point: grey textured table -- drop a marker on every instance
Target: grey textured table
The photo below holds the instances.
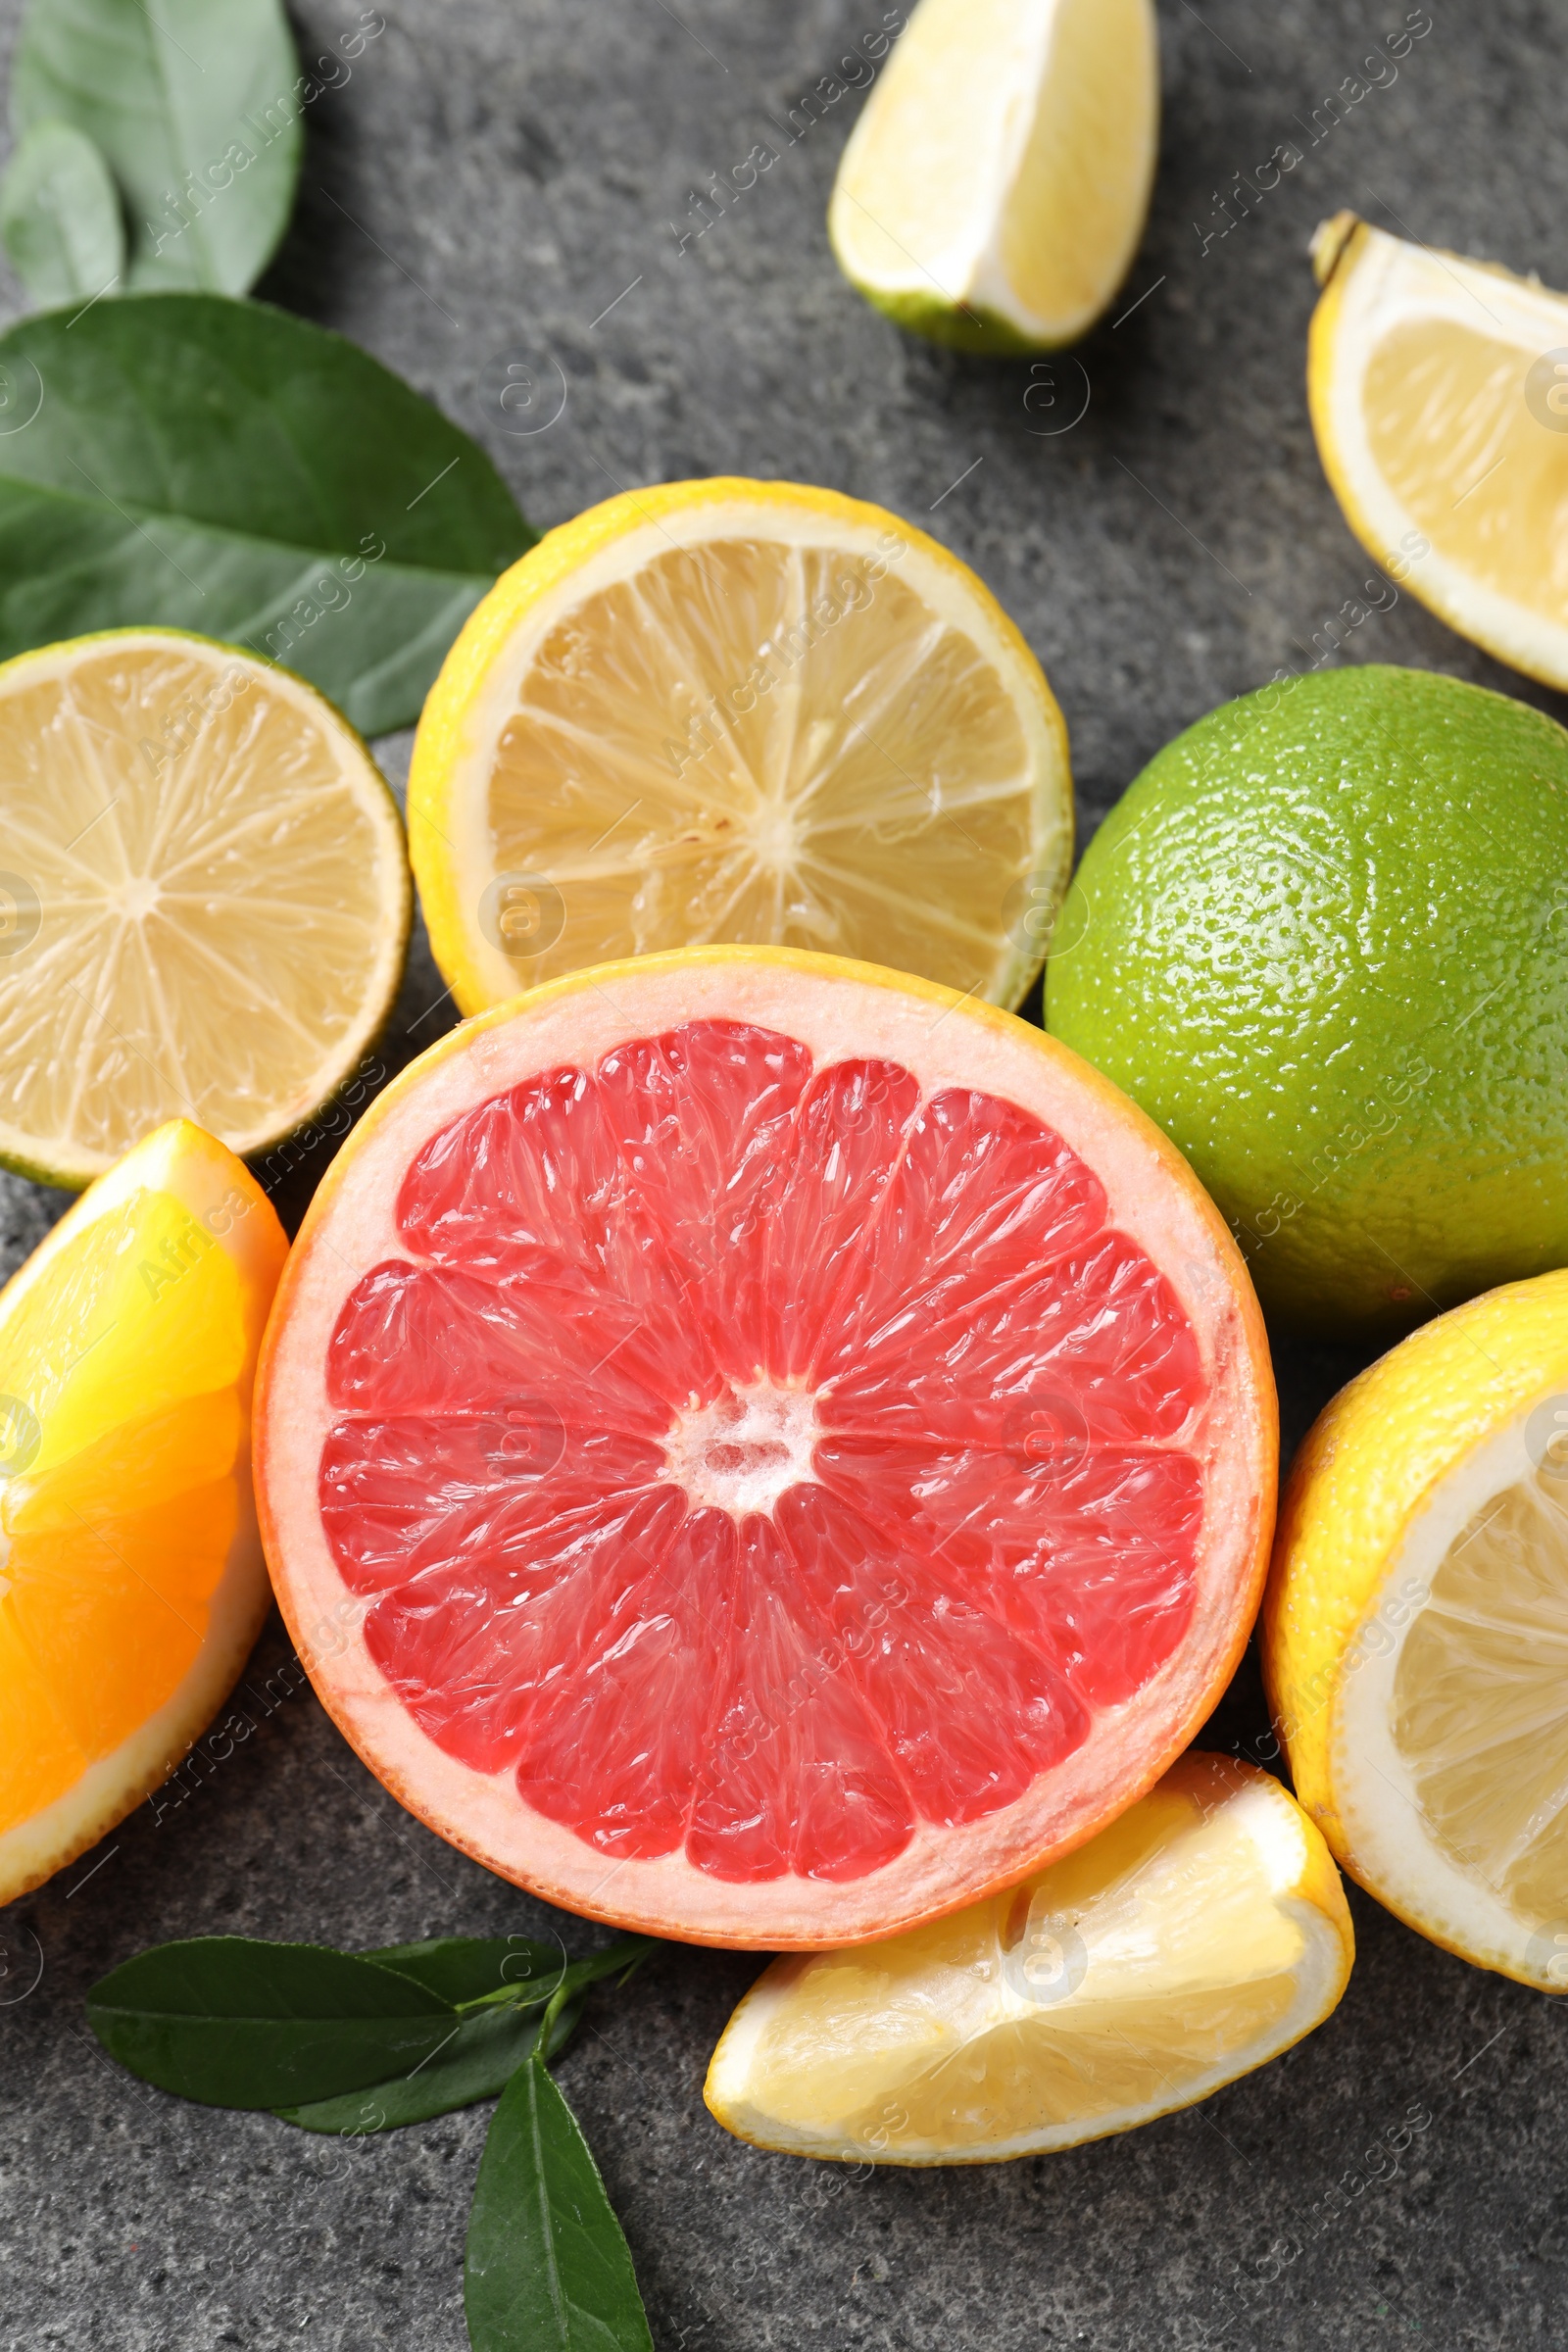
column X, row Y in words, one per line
column 502, row 177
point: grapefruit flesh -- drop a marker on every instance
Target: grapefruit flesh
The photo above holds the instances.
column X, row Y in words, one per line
column 771, row 1471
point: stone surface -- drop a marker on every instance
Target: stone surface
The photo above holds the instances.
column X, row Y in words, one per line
column 500, row 179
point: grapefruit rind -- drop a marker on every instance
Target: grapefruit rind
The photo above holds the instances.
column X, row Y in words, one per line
column 838, row 1009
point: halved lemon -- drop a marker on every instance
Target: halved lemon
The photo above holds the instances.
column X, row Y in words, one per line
column 132, row 1579
column 1439, row 391
column 1416, row 1630
column 205, row 905
column 994, row 191
column 1200, row 1936
column 744, row 713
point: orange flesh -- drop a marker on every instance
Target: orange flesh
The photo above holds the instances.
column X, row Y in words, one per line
column 120, row 1487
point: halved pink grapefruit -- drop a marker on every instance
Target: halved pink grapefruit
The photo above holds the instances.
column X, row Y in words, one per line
column 763, row 1449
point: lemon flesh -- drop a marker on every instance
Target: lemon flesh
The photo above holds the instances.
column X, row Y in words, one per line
column 1452, row 1751
column 1416, row 1636
column 1480, row 1715
column 741, row 713
column 1439, row 391
column 207, row 903
column 1197, row 1937
column 131, row 1580
column 994, row 191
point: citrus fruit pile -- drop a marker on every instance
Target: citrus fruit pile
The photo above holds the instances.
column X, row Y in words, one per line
column 797, row 1447
column 789, row 1450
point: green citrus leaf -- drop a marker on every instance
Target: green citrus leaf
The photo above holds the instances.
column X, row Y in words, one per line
column 547, row 2269
column 237, row 2023
column 477, row 2063
column 615, row 1960
column 60, row 215
column 195, row 105
column 465, row 1968
column 187, row 461
column 505, row 1980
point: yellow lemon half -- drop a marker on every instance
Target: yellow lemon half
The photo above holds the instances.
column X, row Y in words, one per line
column 1416, row 1630
column 1200, row 1934
column 743, row 714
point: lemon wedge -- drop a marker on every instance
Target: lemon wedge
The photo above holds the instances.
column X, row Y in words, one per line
column 741, row 714
column 1416, row 1630
column 132, row 1579
column 994, row 191
column 1439, row 392
column 205, row 901
column 1202, row 1934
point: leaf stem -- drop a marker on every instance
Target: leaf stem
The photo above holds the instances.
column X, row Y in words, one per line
column 558, row 2002
column 616, row 1960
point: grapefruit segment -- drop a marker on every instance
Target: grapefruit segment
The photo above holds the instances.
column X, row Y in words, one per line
column 1099, row 1565
column 980, row 1194
column 847, row 1132
column 787, row 1487
column 1096, row 1345
column 801, row 1782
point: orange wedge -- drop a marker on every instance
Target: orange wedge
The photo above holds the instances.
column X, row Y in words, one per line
column 132, row 1579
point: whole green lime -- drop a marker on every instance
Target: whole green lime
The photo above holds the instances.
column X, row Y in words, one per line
column 1323, row 940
